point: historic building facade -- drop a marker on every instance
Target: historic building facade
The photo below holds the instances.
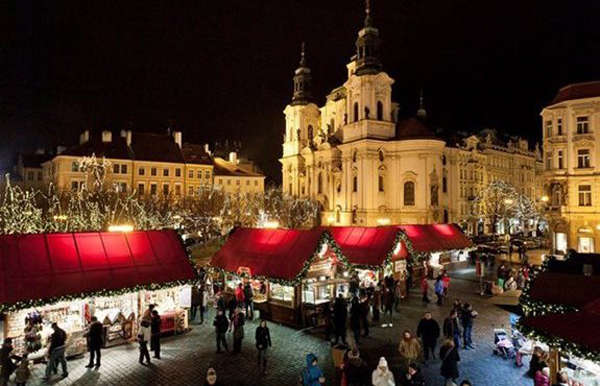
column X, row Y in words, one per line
column 367, row 167
column 571, row 130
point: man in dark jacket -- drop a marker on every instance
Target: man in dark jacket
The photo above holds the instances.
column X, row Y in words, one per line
column 155, row 324
column 56, row 351
column 467, row 317
column 7, row 366
column 429, row 332
column 451, row 328
column 355, row 318
column 95, row 337
column 249, row 295
column 414, row 377
column 221, row 325
column 340, row 314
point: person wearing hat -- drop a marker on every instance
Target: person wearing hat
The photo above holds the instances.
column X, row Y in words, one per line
column 382, row 376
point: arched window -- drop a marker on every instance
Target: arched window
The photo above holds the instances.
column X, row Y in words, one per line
column 320, row 184
column 556, row 199
column 355, row 184
column 354, row 154
column 381, row 183
column 338, row 214
column 409, row 193
column 379, row 111
column 381, row 156
column 444, row 184
column 310, row 132
column 446, row 216
column 355, row 111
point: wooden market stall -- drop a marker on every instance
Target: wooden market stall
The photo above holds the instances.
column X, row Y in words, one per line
column 562, row 309
column 300, row 271
column 69, row 277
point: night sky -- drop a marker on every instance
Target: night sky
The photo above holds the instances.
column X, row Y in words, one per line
column 223, row 69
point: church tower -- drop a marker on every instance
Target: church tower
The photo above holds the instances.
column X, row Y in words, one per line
column 302, row 120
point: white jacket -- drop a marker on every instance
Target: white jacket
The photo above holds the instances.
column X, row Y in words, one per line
column 383, row 378
column 144, row 334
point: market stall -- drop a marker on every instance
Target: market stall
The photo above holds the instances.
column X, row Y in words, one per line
column 562, row 308
column 69, row 277
column 300, row 270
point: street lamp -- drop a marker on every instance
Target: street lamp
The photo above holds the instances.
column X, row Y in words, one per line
column 545, row 198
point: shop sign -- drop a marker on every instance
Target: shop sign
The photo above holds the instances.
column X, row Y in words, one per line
column 185, row 297
column 400, row 266
column 321, row 265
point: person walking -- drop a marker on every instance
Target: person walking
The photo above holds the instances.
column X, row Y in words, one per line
column 467, row 317
column 364, row 313
column 410, row 349
column 451, row 328
column 312, row 375
column 382, row 376
column 327, row 320
column 429, row 332
column 196, row 293
column 144, row 336
column 203, row 303
column 542, row 377
column 376, row 302
column 249, row 302
column 95, row 336
column 414, row 376
column 439, row 289
column 263, row 342
column 7, row 366
column 237, row 326
column 425, row 289
column 388, row 305
column 450, row 359
column 23, row 372
column 240, row 298
column 446, row 281
column 355, row 312
column 56, row 351
column 354, row 368
column 155, row 324
column 221, row 325
column 340, row 314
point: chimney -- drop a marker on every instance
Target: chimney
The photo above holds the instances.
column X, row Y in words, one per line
column 106, row 136
column 233, row 157
column 84, row 137
column 177, row 137
column 60, row 149
column 207, row 149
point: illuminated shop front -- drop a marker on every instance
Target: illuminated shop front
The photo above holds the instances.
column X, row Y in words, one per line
column 69, row 277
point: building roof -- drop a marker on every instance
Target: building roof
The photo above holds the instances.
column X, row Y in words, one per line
column 565, row 289
column 115, row 149
column 366, row 246
column 195, row 154
column 155, row 147
column 577, row 91
column 272, row 253
column 428, row 238
column 45, row 268
column 415, row 128
column 226, row 168
column 35, row 160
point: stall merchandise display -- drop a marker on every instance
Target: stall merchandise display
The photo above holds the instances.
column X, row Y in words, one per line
column 582, row 371
column 282, row 293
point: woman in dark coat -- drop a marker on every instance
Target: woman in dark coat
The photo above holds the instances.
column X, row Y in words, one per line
column 450, row 359
column 355, row 312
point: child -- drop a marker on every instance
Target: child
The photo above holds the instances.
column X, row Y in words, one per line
column 22, row 373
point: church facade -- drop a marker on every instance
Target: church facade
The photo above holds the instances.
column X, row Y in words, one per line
column 367, row 167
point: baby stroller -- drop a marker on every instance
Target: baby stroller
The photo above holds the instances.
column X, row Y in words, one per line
column 504, row 345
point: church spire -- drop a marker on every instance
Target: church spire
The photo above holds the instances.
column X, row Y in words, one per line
column 367, row 46
column 421, row 112
column 302, row 78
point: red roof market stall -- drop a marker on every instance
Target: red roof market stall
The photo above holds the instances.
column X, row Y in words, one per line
column 69, row 277
column 292, row 272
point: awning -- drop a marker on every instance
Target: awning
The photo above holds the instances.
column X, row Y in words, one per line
column 565, row 289
column 367, row 246
column 427, row 238
column 271, row 253
column 579, row 327
column 37, row 269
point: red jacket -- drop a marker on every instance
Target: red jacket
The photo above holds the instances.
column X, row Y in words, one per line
column 424, row 285
column 239, row 294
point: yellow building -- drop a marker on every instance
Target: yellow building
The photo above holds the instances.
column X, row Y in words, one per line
column 571, row 129
column 148, row 164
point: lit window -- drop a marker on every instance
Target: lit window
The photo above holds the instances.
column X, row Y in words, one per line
column 583, row 158
column 177, row 172
column 409, row 193
column 585, row 195
column 153, row 171
column 199, row 174
column 559, row 127
column 141, row 171
column 191, row 174
column 583, row 125
column 166, row 172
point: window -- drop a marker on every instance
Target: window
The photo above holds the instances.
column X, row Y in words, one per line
column 381, row 156
column 75, row 166
column 381, row 183
column 198, row 174
column 207, row 175
column 177, row 172
column 166, row 189
column 409, row 193
column 379, row 111
column 153, row 171
column 355, row 184
column 355, row 111
column 116, row 168
column 320, row 183
column 561, row 159
column 332, row 126
column 123, row 169
column 30, row 176
column 122, row 187
column 39, row 176
column 256, row 183
column 166, row 172
column 354, row 155
column 237, row 182
column 191, row 190
column 559, row 127
column 74, row 186
column 585, row 195
column 583, row 125
column 549, row 161
column 548, row 128
column 220, row 181
column 140, row 189
column 228, row 182
column 178, row 190
column 153, row 189
column 444, row 184
column 583, row 158
column 247, row 182
column 191, row 174
column 141, row 171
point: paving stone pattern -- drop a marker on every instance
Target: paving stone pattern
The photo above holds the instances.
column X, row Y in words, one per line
column 186, row 357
